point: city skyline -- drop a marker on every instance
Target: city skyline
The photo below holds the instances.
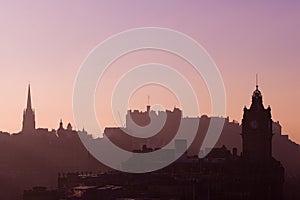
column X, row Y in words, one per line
column 149, row 100
column 29, row 116
column 45, row 152
column 48, row 49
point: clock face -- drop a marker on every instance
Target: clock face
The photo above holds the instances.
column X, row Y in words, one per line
column 254, row 124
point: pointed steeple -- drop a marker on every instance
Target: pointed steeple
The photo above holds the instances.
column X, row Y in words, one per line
column 28, row 115
column 29, row 99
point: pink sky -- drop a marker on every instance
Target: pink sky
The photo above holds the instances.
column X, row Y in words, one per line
column 45, row 42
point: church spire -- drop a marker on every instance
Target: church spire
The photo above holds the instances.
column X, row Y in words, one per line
column 28, row 115
column 29, row 99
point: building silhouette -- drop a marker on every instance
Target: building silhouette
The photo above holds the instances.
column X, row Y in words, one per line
column 254, row 175
column 28, row 115
column 261, row 174
column 34, row 155
column 257, row 130
column 249, row 171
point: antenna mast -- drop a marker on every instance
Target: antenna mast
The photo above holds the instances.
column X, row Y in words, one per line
column 256, row 81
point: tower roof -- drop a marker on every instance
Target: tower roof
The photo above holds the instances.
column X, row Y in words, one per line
column 256, row 93
column 257, row 103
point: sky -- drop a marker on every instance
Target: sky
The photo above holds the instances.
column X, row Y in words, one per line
column 44, row 43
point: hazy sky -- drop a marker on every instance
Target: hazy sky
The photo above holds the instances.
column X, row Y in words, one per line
column 45, row 42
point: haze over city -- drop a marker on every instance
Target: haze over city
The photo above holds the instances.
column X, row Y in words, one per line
column 44, row 43
column 118, row 100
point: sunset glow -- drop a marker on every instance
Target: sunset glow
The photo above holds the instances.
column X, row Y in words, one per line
column 45, row 42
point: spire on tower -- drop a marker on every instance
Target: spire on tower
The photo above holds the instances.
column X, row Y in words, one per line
column 257, row 81
column 257, row 98
column 60, row 124
column 29, row 98
column 28, row 115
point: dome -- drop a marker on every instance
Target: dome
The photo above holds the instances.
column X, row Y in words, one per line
column 256, row 92
column 257, row 100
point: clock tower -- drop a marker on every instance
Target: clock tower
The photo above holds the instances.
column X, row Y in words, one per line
column 257, row 131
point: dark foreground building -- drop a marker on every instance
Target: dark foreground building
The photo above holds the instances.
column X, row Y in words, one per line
column 261, row 173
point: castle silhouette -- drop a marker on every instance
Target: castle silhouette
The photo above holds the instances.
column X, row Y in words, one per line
column 255, row 174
